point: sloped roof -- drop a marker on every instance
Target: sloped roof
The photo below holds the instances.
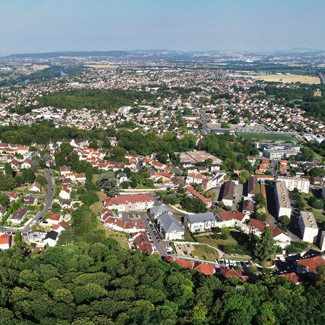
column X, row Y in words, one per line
column 207, row 269
column 291, row 277
column 200, row 217
column 169, row 223
column 256, row 224
column 229, row 215
column 312, row 263
column 128, row 199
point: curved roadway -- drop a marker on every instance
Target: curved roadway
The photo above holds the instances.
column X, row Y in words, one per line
column 49, row 197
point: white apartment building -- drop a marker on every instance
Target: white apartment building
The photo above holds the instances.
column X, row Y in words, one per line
column 282, row 199
column 308, row 227
column 301, row 184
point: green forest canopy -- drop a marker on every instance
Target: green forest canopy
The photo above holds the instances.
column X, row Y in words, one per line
column 98, row 99
column 95, row 284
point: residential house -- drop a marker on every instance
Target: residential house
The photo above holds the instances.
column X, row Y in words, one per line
column 18, row 216
column 5, row 241
column 54, row 218
column 252, row 187
column 121, row 225
column 170, row 227
column 193, row 193
column 200, row 222
column 3, row 211
column 66, row 204
column 30, row 200
column 230, row 273
column 51, row 238
column 142, row 243
column 35, row 187
column 14, row 164
column 121, row 177
column 228, row 193
column 138, row 202
column 310, row 265
column 26, row 164
column 13, row 196
column 231, row 219
column 157, row 210
column 65, row 192
column 248, row 207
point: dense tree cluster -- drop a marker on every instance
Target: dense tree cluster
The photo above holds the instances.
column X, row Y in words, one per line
column 98, row 99
column 232, row 150
column 95, row 284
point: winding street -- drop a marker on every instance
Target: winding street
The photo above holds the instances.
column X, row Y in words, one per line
column 49, row 197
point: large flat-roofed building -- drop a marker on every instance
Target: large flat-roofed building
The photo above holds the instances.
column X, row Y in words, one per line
column 279, row 151
column 301, row 184
column 282, row 199
column 308, row 227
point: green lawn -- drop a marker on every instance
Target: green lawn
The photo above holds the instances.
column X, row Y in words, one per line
column 187, row 235
column 216, row 242
column 267, row 136
column 120, row 237
column 204, row 252
column 97, row 207
column 318, row 213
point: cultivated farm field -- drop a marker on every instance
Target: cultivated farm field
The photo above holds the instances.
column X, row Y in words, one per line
column 289, row 78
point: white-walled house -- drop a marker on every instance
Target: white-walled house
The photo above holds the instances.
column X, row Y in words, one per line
column 200, row 222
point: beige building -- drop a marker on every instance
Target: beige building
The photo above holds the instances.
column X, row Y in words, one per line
column 301, row 184
column 282, row 199
column 308, row 227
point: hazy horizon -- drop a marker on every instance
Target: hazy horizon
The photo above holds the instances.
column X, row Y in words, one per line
column 39, row 26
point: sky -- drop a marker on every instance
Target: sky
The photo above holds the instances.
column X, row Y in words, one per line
column 33, row 26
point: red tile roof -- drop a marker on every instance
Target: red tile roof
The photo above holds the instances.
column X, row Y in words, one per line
column 54, row 216
column 125, row 225
column 4, row 239
column 291, row 277
column 229, row 273
column 143, row 244
column 256, row 224
column 184, row 263
column 207, row 269
column 229, row 215
column 312, row 263
column 128, row 199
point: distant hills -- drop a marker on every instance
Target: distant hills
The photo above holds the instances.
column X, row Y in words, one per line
column 69, row 54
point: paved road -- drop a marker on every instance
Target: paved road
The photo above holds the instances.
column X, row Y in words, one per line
column 204, row 118
column 48, row 204
column 273, row 167
column 153, row 234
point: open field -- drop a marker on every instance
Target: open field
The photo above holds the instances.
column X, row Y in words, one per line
column 217, row 243
column 205, row 252
column 289, row 78
column 98, row 206
column 267, row 136
column 120, row 237
column 40, row 67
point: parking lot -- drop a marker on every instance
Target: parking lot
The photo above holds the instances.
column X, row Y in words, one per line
column 231, row 264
